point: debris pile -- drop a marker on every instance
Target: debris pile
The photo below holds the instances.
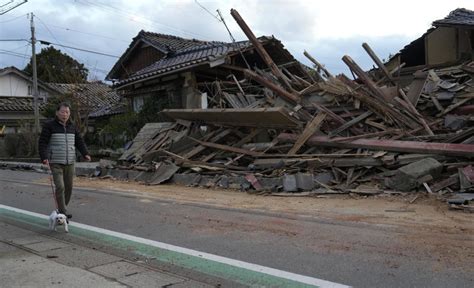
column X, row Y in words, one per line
column 319, row 132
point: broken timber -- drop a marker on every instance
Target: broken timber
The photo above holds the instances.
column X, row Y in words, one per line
column 275, row 117
column 464, row 150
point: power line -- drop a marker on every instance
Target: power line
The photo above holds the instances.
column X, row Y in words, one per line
column 75, row 48
column 91, row 34
column 13, row 19
column 205, row 9
column 46, row 26
column 14, row 40
column 13, row 54
column 110, row 8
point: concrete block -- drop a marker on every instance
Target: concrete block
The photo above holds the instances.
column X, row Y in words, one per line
column 305, row 181
column 289, row 183
column 410, row 176
column 223, row 182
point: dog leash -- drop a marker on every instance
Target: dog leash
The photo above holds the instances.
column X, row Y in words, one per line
column 50, row 173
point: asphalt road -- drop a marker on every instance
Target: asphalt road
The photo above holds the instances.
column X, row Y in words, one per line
column 359, row 255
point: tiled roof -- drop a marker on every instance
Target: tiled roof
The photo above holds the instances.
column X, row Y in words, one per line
column 99, row 98
column 168, row 43
column 18, row 104
column 163, row 42
column 188, row 57
column 460, row 16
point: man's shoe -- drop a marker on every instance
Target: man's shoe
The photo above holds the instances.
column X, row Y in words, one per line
column 69, row 216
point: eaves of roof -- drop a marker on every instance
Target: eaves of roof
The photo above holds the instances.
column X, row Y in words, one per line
column 186, row 59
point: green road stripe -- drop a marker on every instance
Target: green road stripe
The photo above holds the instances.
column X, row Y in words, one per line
column 237, row 271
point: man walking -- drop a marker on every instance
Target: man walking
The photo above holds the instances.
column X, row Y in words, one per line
column 57, row 148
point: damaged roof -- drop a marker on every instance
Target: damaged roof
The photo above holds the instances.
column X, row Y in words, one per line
column 100, row 98
column 187, row 58
column 167, row 44
column 180, row 53
column 458, row 17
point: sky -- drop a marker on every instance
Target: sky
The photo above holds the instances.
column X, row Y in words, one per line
column 328, row 30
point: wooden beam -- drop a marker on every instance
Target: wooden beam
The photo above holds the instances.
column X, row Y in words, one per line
column 378, row 62
column 201, row 148
column 321, row 67
column 308, row 131
column 226, row 148
column 259, row 47
column 363, row 77
column 414, row 111
column 463, row 150
column 350, row 123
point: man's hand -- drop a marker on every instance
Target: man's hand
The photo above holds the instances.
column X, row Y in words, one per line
column 88, row 158
column 46, row 162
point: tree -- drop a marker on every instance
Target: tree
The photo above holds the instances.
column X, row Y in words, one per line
column 56, row 67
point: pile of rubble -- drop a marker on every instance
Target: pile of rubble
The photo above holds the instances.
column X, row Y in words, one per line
column 280, row 132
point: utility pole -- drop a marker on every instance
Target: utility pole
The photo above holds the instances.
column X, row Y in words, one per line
column 35, row 76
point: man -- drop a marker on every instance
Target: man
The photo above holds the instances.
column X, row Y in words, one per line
column 57, row 148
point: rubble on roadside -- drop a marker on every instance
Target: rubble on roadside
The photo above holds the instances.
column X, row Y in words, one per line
column 271, row 131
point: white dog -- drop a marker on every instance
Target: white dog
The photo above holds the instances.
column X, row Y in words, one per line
column 58, row 219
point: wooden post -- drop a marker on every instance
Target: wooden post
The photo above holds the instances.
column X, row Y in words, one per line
column 261, row 51
column 363, row 76
column 378, row 62
column 329, row 75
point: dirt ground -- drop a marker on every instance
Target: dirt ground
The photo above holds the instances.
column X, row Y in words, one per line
column 425, row 212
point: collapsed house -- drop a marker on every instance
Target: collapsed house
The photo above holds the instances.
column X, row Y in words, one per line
column 249, row 116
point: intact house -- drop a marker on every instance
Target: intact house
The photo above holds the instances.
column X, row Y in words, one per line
column 97, row 100
column 182, row 71
column 16, row 100
column 450, row 41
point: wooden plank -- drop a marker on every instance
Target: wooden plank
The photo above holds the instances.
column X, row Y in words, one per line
column 378, row 62
column 363, row 77
column 453, row 179
column 200, row 148
column 468, row 98
column 414, row 111
column 308, row 131
column 226, row 147
column 463, row 150
column 375, row 124
column 416, row 86
column 350, row 123
column 274, row 117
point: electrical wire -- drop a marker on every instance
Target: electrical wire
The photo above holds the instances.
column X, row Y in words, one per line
column 118, row 11
column 91, row 34
column 79, row 49
column 205, row 9
column 13, row 19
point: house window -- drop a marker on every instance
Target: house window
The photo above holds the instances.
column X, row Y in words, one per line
column 138, row 102
column 30, row 91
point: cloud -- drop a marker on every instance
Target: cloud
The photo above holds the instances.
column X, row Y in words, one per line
column 326, row 29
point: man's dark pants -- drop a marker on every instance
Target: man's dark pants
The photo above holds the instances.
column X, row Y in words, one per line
column 63, row 176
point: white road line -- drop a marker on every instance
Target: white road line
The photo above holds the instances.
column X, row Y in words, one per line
column 207, row 256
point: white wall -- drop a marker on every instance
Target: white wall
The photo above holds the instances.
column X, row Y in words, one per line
column 12, row 85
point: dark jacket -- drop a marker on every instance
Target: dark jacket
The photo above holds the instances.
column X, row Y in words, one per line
column 58, row 143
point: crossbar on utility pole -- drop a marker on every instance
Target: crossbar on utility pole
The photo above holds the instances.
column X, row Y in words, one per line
column 35, row 76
